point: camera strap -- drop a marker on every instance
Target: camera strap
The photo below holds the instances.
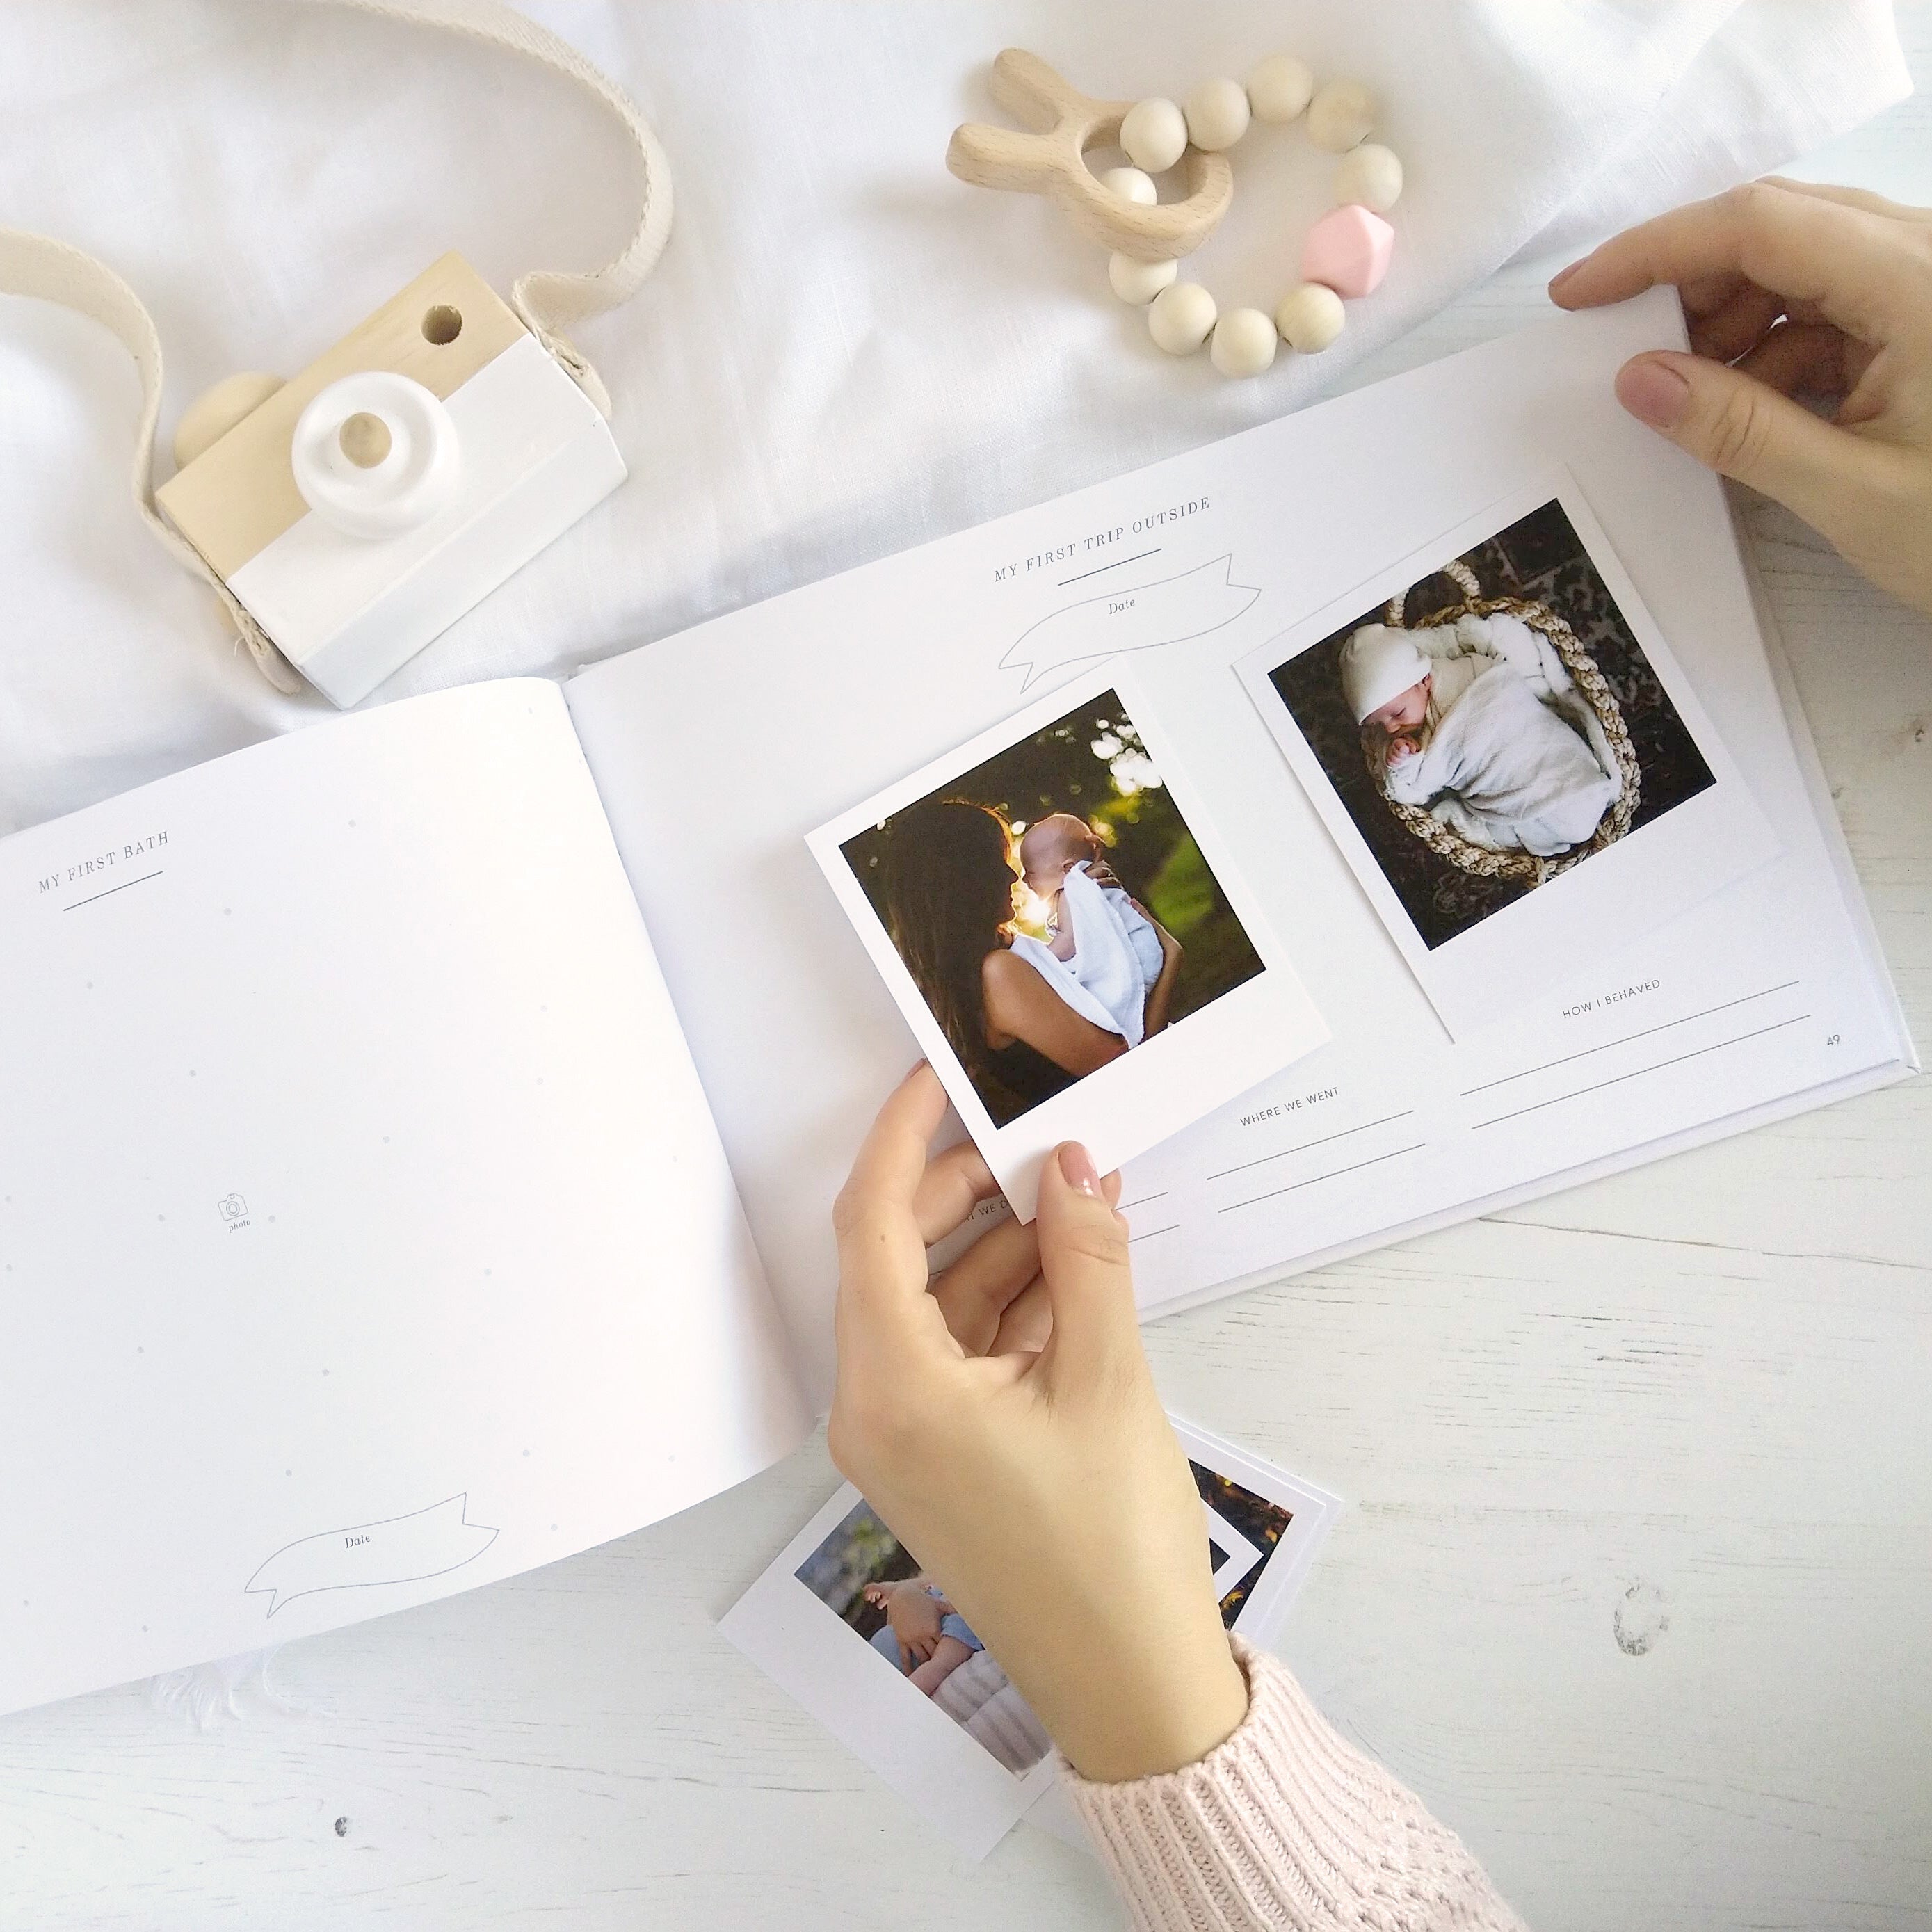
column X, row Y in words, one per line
column 548, row 301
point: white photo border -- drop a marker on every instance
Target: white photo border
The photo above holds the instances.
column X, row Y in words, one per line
column 1311, row 1513
column 1567, row 926
column 1243, row 1037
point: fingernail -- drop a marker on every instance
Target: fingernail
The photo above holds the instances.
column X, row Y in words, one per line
column 1653, row 392
column 1557, row 280
column 1077, row 1165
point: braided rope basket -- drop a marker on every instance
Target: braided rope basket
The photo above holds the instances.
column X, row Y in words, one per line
column 1595, row 691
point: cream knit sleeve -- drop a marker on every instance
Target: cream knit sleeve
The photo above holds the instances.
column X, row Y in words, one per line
column 1285, row 1827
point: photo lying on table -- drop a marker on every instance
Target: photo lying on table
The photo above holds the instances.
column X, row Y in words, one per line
column 1510, row 756
column 851, row 1623
column 1054, row 917
column 1263, row 1529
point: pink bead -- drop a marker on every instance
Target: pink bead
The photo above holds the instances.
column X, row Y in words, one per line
column 1348, row 250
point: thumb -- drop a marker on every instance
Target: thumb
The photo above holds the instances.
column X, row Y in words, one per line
column 1083, row 1258
column 1744, row 429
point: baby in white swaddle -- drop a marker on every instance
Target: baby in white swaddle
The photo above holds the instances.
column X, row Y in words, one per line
column 1458, row 713
column 1105, row 956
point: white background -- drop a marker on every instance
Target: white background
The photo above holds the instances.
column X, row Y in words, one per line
column 1694, row 1393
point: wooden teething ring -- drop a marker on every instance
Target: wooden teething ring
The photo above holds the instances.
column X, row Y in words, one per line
column 1452, row 845
column 1052, row 160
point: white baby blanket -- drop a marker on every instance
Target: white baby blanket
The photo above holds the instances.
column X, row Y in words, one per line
column 843, row 351
column 1504, row 770
column 1060, row 975
column 1116, row 957
column 1107, row 960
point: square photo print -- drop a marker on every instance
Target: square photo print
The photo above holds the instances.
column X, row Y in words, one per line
column 1510, row 756
column 853, row 1625
column 1051, row 912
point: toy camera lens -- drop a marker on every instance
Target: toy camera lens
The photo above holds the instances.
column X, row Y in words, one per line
column 375, row 454
column 442, row 324
column 365, row 440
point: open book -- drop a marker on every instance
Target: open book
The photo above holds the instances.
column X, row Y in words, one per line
column 419, row 1131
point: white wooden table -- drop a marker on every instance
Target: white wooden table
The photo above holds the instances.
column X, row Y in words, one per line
column 1635, row 1585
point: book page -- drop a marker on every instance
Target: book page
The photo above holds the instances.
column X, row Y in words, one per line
column 364, row 1233
column 1645, row 1016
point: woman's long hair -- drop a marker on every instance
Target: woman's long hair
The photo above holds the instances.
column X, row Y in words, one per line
column 948, row 876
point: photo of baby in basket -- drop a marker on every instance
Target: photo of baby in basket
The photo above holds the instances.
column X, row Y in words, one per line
column 1494, row 725
column 1052, row 907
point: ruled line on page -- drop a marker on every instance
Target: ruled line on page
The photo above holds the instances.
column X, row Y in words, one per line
column 1332, row 1174
column 1140, row 1200
column 1262, row 1160
column 1151, row 1232
column 1625, row 1039
column 1617, row 1079
column 1139, row 556
column 111, row 890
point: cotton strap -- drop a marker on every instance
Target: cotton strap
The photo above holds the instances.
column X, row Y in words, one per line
column 548, row 301
column 38, row 266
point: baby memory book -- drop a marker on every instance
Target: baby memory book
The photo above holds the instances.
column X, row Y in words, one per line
column 419, row 1131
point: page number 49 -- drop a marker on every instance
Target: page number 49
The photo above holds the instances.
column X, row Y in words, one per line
column 1832, row 1039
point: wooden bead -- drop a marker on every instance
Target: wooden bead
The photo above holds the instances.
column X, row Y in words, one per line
column 1348, row 250
column 1217, row 115
column 1181, row 317
column 1341, row 115
column 1139, row 282
column 1131, row 184
column 1309, row 318
column 1154, row 135
column 1280, row 87
column 1370, row 175
column 1244, row 343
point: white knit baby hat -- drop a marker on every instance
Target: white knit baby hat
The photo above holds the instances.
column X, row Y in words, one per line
column 1378, row 663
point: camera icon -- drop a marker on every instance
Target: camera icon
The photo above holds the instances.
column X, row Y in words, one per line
column 233, row 1208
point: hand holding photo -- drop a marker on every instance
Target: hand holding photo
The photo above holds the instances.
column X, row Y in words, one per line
column 1508, row 755
column 1051, row 912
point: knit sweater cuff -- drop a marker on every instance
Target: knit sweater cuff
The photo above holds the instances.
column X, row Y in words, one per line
column 1283, row 1825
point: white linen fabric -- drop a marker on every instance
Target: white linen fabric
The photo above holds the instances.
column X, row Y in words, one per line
column 844, row 352
column 1060, row 975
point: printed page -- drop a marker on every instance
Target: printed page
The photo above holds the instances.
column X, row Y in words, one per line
column 1645, row 1016
column 364, row 1233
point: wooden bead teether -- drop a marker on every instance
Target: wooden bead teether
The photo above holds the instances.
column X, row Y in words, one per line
column 1050, row 160
column 1345, row 255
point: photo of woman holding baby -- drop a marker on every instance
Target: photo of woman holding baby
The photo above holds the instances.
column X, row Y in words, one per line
column 1052, row 908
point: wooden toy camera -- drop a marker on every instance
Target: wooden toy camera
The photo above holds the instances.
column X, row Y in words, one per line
column 359, row 509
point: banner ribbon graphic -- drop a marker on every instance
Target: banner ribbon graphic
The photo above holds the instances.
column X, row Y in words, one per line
column 401, row 1549
column 1132, row 617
